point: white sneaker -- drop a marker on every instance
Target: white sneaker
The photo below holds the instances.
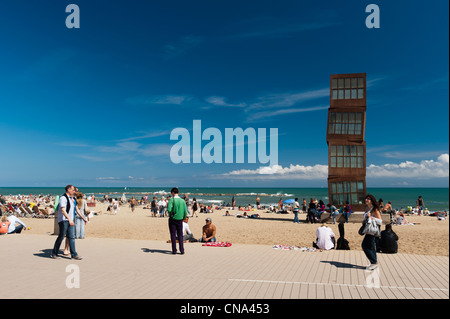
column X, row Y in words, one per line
column 372, row 267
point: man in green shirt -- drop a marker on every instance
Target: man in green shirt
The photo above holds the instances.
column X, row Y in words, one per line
column 177, row 213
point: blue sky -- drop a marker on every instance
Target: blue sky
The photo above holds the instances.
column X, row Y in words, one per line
column 95, row 106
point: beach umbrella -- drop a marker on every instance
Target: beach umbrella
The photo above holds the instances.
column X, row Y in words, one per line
column 289, row 201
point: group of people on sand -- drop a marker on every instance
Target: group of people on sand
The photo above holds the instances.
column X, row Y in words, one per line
column 72, row 206
column 314, row 210
column 383, row 241
column 178, row 224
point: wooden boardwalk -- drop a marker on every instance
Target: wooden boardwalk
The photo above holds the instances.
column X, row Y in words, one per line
column 125, row 269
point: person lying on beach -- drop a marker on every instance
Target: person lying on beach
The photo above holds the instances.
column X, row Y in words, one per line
column 247, row 216
column 400, row 219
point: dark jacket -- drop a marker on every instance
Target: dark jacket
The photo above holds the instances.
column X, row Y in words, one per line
column 388, row 242
column 342, row 243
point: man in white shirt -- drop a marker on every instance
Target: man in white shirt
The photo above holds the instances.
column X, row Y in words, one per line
column 324, row 236
column 187, row 234
column 162, row 206
column 13, row 219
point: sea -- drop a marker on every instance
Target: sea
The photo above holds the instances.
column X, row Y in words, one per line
column 435, row 199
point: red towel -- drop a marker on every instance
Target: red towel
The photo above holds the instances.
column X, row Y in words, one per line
column 218, row 244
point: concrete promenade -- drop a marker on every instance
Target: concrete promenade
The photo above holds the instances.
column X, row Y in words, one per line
column 125, row 269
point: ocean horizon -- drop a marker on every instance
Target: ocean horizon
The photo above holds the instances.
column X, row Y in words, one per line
column 435, row 198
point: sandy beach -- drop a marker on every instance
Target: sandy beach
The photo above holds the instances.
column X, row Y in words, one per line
column 428, row 237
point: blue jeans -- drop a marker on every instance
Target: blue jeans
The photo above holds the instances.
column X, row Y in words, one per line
column 333, row 215
column 212, row 240
column 79, row 228
column 311, row 217
column 296, row 217
column 346, row 214
column 65, row 230
column 368, row 246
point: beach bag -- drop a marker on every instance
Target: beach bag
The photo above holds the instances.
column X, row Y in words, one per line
column 361, row 229
column 371, row 228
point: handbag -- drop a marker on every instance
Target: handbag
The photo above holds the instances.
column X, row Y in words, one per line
column 361, row 229
column 371, row 228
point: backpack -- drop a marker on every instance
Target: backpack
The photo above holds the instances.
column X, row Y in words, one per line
column 4, row 227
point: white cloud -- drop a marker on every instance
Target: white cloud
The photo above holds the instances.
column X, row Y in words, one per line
column 220, row 101
column 288, row 99
column 134, row 148
column 270, row 114
column 426, row 169
column 280, row 172
column 272, row 105
column 161, row 100
column 146, row 136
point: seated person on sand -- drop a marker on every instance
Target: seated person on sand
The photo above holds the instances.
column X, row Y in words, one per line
column 49, row 210
column 400, row 219
column 209, row 232
column 325, row 238
column 333, row 212
column 320, row 209
column 227, row 213
column 187, row 234
column 387, row 208
column 14, row 220
column 204, row 209
column 388, row 242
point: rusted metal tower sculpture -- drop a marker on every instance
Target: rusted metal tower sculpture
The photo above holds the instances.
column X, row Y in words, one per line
column 345, row 139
